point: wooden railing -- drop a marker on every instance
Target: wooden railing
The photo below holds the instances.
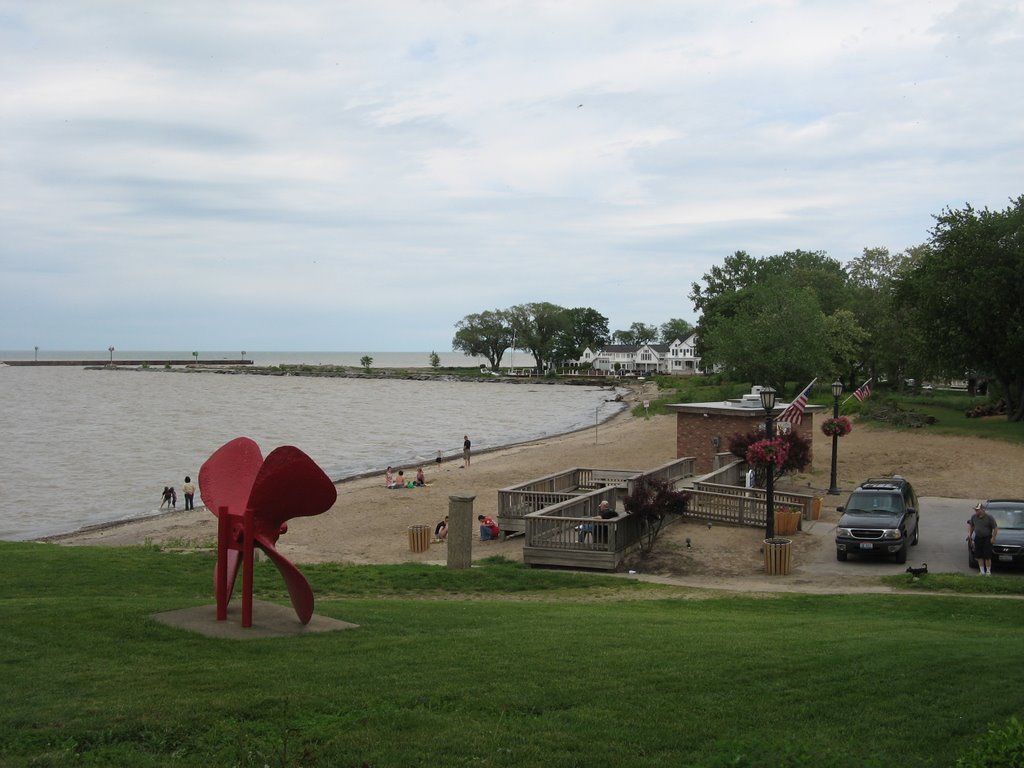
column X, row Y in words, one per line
column 517, row 501
column 673, row 472
column 799, row 501
column 571, row 533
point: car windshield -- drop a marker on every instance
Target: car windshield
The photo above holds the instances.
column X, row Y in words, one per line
column 1009, row 516
column 868, row 503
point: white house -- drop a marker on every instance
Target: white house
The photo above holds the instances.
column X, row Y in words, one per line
column 678, row 358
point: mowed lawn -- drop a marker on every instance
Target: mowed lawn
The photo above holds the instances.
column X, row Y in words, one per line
column 495, row 666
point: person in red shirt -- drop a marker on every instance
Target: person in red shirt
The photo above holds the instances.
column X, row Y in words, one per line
column 488, row 528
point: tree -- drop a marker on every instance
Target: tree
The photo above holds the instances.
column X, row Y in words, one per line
column 585, row 327
column 738, row 271
column 366, row 361
column 965, row 297
column 846, row 343
column 889, row 342
column 653, row 499
column 675, row 328
column 538, row 326
column 815, row 270
column 435, row 360
column 484, row 334
column 777, row 332
column 638, row 333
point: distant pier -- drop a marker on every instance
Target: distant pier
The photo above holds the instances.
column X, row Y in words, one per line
column 134, row 363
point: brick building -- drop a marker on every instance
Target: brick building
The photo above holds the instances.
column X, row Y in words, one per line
column 704, row 429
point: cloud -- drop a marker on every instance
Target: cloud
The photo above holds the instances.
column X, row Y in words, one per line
column 315, row 176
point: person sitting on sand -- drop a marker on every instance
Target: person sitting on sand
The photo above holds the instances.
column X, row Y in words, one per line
column 441, row 530
column 399, row 481
column 421, row 479
column 488, row 528
column 389, row 478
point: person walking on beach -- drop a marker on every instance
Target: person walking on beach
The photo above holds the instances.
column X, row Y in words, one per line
column 165, row 497
column 189, row 491
column 465, row 450
column 983, row 527
column 174, row 498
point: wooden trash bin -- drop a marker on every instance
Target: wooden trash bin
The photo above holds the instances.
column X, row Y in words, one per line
column 778, row 556
column 419, row 538
column 816, row 508
column 787, row 522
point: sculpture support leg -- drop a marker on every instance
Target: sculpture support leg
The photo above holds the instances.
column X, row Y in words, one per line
column 248, row 552
column 221, row 587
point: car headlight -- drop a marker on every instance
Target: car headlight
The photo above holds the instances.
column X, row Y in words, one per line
column 891, row 533
column 844, row 532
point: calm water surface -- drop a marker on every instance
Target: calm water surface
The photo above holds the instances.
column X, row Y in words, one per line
column 82, row 447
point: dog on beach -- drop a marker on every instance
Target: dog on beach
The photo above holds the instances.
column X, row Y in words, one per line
column 917, row 571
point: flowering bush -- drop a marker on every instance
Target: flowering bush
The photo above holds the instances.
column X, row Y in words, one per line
column 798, row 450
column 768, row 452
column 837, row 427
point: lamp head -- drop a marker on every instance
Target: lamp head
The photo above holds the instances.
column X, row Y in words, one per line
column 837, row 388
column 768, row 399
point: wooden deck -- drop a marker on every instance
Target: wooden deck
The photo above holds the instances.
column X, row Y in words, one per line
column 559, row 513
column 568, row 532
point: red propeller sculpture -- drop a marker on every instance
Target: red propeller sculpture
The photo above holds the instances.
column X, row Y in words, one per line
column 253, row 498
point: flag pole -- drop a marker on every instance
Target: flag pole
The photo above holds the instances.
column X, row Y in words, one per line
column 858, row 389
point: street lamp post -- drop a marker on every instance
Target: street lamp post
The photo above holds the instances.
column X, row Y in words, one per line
column 37, row 354
column 768, row 403
column 111, row 351
column 837, row 390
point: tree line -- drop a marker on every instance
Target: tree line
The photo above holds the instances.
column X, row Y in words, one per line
column 552, row 334
column 951, row 307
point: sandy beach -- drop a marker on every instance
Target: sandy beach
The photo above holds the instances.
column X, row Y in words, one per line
column 369, row 523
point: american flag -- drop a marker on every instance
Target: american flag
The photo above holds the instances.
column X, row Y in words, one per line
column 864, row 391
column 794, row 413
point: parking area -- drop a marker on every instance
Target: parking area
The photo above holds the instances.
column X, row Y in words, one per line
column 942, row 544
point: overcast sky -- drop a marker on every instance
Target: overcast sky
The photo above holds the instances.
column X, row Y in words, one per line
column 361, row 175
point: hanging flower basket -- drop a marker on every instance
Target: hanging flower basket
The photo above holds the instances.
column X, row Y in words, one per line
column 764, row 453
column 837, row 426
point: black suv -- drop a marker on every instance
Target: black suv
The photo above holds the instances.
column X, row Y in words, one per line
column 880, row 518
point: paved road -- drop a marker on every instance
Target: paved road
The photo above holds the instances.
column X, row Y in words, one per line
column 942, row 545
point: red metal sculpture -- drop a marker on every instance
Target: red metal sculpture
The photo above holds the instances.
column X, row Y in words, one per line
column 252, row 499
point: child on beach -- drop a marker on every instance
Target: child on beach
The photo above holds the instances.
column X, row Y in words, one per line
column 421, row 479
column 165, row 497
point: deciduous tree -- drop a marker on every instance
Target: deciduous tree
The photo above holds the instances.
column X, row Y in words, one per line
column 484, row 334
column 965, row 296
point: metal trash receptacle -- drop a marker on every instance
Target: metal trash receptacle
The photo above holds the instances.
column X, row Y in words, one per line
column 419, row 538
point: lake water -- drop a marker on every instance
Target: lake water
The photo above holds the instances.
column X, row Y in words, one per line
column 84, row 447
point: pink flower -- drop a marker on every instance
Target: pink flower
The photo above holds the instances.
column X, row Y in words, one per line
column 837, row 426
column 765, row 452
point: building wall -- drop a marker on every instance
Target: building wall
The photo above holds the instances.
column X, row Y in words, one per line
column 695, row 433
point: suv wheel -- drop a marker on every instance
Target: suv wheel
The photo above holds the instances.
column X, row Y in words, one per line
column 971, row 562
column 901, row 556
column 840, row 556
column 917, row 534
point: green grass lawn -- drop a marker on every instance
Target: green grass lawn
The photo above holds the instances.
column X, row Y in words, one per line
column 497, row 666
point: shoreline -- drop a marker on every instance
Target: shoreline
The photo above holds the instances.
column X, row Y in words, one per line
column 630, row 396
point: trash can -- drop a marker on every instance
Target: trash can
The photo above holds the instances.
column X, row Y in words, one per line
column 816, row 508
column 778, row 555
column 419, row 538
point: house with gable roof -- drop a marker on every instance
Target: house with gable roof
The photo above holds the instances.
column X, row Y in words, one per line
column 677, row 358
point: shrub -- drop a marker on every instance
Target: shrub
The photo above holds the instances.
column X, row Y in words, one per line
column 1003, row 748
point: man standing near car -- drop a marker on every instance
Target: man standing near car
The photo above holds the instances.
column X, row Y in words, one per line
column 984, row 529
